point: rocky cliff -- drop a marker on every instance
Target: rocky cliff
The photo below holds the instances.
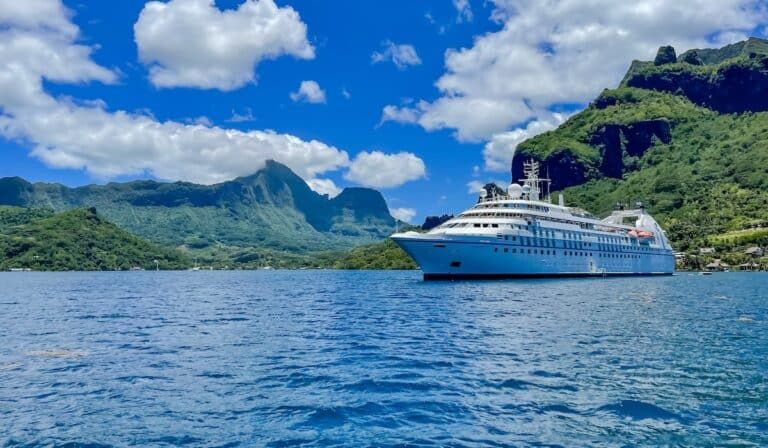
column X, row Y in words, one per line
column 688, row 135
column 738, row 83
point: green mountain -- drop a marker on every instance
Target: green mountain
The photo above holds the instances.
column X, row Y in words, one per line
column 273, row 210
column 77, row 239
column 687, row 135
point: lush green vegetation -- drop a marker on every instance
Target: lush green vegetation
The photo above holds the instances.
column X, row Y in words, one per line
column 707, row 181
column 384, row 255
column 40, row 239
column 711, row 178
column 622, row 106
column 272, row 209
column 713, row 56
column 75, row 240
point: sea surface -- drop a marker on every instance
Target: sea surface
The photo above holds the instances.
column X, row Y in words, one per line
column 324, row 358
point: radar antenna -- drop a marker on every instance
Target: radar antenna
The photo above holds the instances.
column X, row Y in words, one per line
column 533, row 182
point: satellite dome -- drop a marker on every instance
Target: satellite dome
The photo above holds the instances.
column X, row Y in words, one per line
column 526, row 189
column 483, row 193
column 515, row 191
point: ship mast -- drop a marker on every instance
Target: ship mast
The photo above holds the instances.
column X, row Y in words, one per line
column 532, row 182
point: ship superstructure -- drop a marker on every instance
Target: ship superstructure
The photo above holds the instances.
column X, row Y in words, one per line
column 522, row 234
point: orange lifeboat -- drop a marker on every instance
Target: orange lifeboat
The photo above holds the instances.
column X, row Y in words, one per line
column 641, row 234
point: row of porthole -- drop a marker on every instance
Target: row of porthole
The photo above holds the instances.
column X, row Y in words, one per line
column 567, row 253
column 552, row 242
column 610, row 255
column 522, row 251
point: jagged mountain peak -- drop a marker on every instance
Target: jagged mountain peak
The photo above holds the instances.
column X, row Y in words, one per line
column 273, row 207
column 731, row 79
column 363, row 201
column 714, row 56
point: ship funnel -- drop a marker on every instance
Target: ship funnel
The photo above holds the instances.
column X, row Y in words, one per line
column 560, row 200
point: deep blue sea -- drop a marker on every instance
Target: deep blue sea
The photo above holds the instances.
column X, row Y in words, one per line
column 324, row 358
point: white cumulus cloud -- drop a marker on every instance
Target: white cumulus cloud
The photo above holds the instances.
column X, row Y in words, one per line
column 192, row 43
column 397, row 114
column 474, row 186
column 565, row 52
column 402, row 55
column 464, row 9
column 35, row 14
column 324, row 186
column 379, row 170
column 403, row 214
column 310, row 92
column 500, row 150
column 66, row 133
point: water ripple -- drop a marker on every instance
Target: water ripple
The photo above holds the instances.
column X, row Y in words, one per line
column 319, row 358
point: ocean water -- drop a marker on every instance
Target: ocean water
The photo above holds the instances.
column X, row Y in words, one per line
column 321, row 358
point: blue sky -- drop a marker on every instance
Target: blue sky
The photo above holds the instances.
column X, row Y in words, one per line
column 420, row 99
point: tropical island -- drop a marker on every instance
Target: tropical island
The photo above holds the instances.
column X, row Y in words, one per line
column 686, row 134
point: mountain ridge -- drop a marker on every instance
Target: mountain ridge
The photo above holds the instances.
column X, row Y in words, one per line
column 272, row 207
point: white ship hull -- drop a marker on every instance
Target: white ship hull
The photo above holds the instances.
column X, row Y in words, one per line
column 516, row 234
column 465, row 258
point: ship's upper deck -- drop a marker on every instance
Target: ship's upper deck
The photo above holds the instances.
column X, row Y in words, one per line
column 542, row 210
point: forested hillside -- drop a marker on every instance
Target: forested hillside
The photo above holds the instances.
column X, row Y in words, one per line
column 687, row 135
column 39, row 239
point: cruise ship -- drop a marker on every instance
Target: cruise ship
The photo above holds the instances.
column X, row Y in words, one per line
column 521, row 233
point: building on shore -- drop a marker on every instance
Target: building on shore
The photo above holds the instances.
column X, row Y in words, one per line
column 718, row 265
column 749, row 266
column 754, row 251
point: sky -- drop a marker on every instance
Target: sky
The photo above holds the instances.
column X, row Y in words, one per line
column 422, row 100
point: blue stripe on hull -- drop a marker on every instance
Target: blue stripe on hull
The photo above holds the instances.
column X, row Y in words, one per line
column 543, row 275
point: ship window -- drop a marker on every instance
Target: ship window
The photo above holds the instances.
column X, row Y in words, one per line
column 514, row 251
column 529, row 251
column 495, row 249
column 506, row 249
column 477, row 225
column 495, row 225
column 485, row 225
